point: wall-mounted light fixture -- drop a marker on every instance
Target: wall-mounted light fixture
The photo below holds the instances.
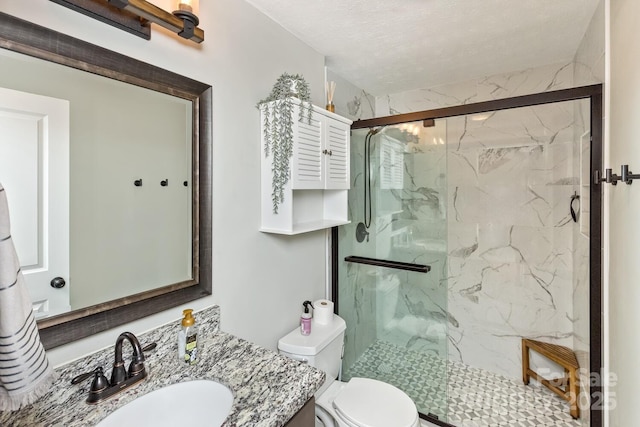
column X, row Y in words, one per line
column 187, row 12
column 135, row 16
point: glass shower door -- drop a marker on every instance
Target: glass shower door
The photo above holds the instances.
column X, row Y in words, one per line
column 392, row 272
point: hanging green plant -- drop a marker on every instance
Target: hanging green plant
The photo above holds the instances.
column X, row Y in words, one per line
column 277, row 111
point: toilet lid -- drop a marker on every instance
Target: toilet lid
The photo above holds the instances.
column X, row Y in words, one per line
column 370, row 403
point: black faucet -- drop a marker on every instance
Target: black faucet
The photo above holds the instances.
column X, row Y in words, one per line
column 121, row 379
column 136, row 368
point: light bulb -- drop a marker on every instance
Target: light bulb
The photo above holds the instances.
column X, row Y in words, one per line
column 187, row 6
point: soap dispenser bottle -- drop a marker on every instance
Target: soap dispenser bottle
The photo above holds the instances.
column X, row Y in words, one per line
column 305, row 319
column 188, row 338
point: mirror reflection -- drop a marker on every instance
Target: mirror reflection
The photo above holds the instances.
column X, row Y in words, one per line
column 98, row 175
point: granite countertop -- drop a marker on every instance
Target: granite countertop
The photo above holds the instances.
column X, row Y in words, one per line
column 268, row 388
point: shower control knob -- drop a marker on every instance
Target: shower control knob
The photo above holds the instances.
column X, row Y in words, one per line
column 361, row 232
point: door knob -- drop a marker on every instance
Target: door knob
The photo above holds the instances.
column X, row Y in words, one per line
column 58, row 283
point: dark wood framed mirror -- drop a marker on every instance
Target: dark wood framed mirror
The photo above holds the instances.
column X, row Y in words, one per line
column 26, row 38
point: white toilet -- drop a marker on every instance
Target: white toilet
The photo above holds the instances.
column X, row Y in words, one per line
column 361, row 402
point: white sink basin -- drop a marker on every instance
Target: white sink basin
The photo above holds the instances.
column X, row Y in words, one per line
column 199, row 402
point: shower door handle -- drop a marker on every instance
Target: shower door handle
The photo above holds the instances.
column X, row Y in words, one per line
column 398, row 265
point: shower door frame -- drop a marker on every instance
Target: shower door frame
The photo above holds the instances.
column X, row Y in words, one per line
column 594, row 94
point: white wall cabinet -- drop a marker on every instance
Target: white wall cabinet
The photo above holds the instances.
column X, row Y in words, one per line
column 316, row 195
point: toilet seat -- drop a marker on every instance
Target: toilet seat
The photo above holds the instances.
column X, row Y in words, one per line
column 364, row 402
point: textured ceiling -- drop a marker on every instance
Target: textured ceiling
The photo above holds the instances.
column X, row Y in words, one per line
column 387, row 46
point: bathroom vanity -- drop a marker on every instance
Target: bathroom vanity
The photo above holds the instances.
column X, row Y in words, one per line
column 269, row 390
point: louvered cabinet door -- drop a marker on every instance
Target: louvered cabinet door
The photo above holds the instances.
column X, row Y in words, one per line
column 336, row 153
column 307, row 159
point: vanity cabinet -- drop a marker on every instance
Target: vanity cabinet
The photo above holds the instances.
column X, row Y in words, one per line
column 305, row 417
column 316, row 195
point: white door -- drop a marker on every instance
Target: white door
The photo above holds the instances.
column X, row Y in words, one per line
column 34, row 170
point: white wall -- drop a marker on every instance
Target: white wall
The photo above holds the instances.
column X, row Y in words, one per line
column 623, row 85
column 259, row 280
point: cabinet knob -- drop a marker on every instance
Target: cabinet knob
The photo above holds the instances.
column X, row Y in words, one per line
column 330, row 153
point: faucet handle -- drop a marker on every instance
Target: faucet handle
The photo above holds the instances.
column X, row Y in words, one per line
column 79, row 378
column 136, row 367
column 149, row 347
column 100, row 382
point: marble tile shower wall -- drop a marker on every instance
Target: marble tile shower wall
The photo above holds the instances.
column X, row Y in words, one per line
column 510, row 234
column 509, row 179
column 532, row 80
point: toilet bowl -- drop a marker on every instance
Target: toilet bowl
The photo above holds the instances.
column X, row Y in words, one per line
column 360, row 402
column 363, row 402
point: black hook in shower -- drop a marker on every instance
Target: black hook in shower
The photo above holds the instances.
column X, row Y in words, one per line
column 574, row 214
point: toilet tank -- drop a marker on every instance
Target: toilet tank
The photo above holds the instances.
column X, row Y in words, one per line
column 322, row 349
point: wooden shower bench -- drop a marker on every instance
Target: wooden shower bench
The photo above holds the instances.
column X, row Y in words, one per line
column 567, row 387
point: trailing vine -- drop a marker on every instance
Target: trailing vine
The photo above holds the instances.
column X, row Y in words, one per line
column 277, row 109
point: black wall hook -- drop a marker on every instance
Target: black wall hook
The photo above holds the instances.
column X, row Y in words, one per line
column 574, row 213
column 164, row 182
column 138, row 182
